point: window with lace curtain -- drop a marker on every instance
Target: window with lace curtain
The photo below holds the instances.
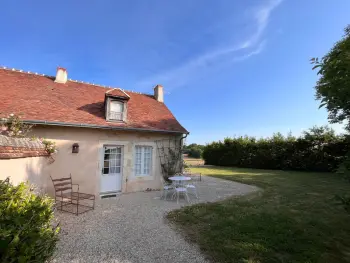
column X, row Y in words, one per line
column 143, row 160
column 116, row 110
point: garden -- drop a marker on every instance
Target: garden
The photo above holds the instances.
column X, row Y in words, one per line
column 294, row 218
column 301, row 213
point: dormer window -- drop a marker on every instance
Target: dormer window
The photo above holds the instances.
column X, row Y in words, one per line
column 116, row 105
column 116, row 110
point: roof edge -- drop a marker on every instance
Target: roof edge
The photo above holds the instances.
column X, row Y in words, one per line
column 92, row 126
column 72, row 80
column 124, row 92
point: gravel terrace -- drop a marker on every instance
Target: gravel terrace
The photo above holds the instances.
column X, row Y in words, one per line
column 131, row 228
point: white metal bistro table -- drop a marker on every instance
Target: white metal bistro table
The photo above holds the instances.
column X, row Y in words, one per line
column 180, row 189
column 180, row 178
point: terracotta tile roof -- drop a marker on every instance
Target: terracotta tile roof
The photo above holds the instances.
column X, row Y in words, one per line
column 117, row 93
column 38, row 98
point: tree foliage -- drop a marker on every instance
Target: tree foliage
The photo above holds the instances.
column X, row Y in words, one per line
column 318, row 149
column 194, row 150
column 333, row 86
column 333, row 89
column 27, row 233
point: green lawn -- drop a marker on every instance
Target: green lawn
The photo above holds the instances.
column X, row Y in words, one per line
column 293, row 219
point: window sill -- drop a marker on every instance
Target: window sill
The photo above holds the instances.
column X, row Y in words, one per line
column 115, row 121
column 142, row 176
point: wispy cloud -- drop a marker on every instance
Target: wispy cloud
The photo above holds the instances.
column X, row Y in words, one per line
column 198, row 66
column 260, row 47
column 261, row 16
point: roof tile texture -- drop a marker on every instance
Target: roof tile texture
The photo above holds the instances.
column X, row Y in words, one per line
column 39, row 98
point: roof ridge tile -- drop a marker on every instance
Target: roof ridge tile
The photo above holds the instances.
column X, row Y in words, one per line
column 23, row 71
column 77, row 81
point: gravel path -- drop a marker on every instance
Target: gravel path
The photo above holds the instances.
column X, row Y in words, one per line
column 131, row 228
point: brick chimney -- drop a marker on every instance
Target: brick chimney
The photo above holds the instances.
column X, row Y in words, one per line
column 61, row 75
column 159, row 93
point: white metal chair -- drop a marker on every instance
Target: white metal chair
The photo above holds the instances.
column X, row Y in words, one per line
column 181, row 191
column 192, row 187
column 166, row 189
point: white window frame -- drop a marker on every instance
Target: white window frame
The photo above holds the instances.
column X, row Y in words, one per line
column 151, row 162
column 123, row 113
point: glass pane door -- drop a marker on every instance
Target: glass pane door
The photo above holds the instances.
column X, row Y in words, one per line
column 112, row 160
column 111, row 176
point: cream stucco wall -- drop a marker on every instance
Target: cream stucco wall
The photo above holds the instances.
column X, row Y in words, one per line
column 86, row 166
column 25, row 169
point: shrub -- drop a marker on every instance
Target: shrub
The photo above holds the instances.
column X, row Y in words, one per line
column 318, row 149
column 27, row 233
column 195, row 152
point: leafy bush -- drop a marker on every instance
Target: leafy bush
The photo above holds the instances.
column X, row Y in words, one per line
column 50, row 146
column 13, row 126
column 318, row 149
column 195, row 152
column 27, row 233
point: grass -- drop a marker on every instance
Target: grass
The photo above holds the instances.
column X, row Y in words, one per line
column 295, row 218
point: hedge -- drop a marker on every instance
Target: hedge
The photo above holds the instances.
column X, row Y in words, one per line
column 318, row 149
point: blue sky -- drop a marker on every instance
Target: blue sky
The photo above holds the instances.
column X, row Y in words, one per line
column 228, row 67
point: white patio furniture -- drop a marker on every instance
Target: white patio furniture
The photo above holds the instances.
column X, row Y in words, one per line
column 193, row 189
column 180, row 179
column 191, row 186
column 180, row 189
column 166, row 190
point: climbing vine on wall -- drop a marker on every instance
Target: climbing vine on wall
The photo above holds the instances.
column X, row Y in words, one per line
column 13, row 126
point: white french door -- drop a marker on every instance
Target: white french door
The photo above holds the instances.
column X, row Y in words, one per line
column 111, row 177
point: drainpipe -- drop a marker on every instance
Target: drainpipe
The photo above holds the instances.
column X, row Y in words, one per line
column 183, row 137
column 181, row 141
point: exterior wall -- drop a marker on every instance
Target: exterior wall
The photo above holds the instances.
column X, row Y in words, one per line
column 22, row 159
column 86, row 166
column 25, row 169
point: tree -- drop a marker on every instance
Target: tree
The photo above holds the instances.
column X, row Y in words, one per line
column 333, row 86
column 333, row 90
column 193, row 150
